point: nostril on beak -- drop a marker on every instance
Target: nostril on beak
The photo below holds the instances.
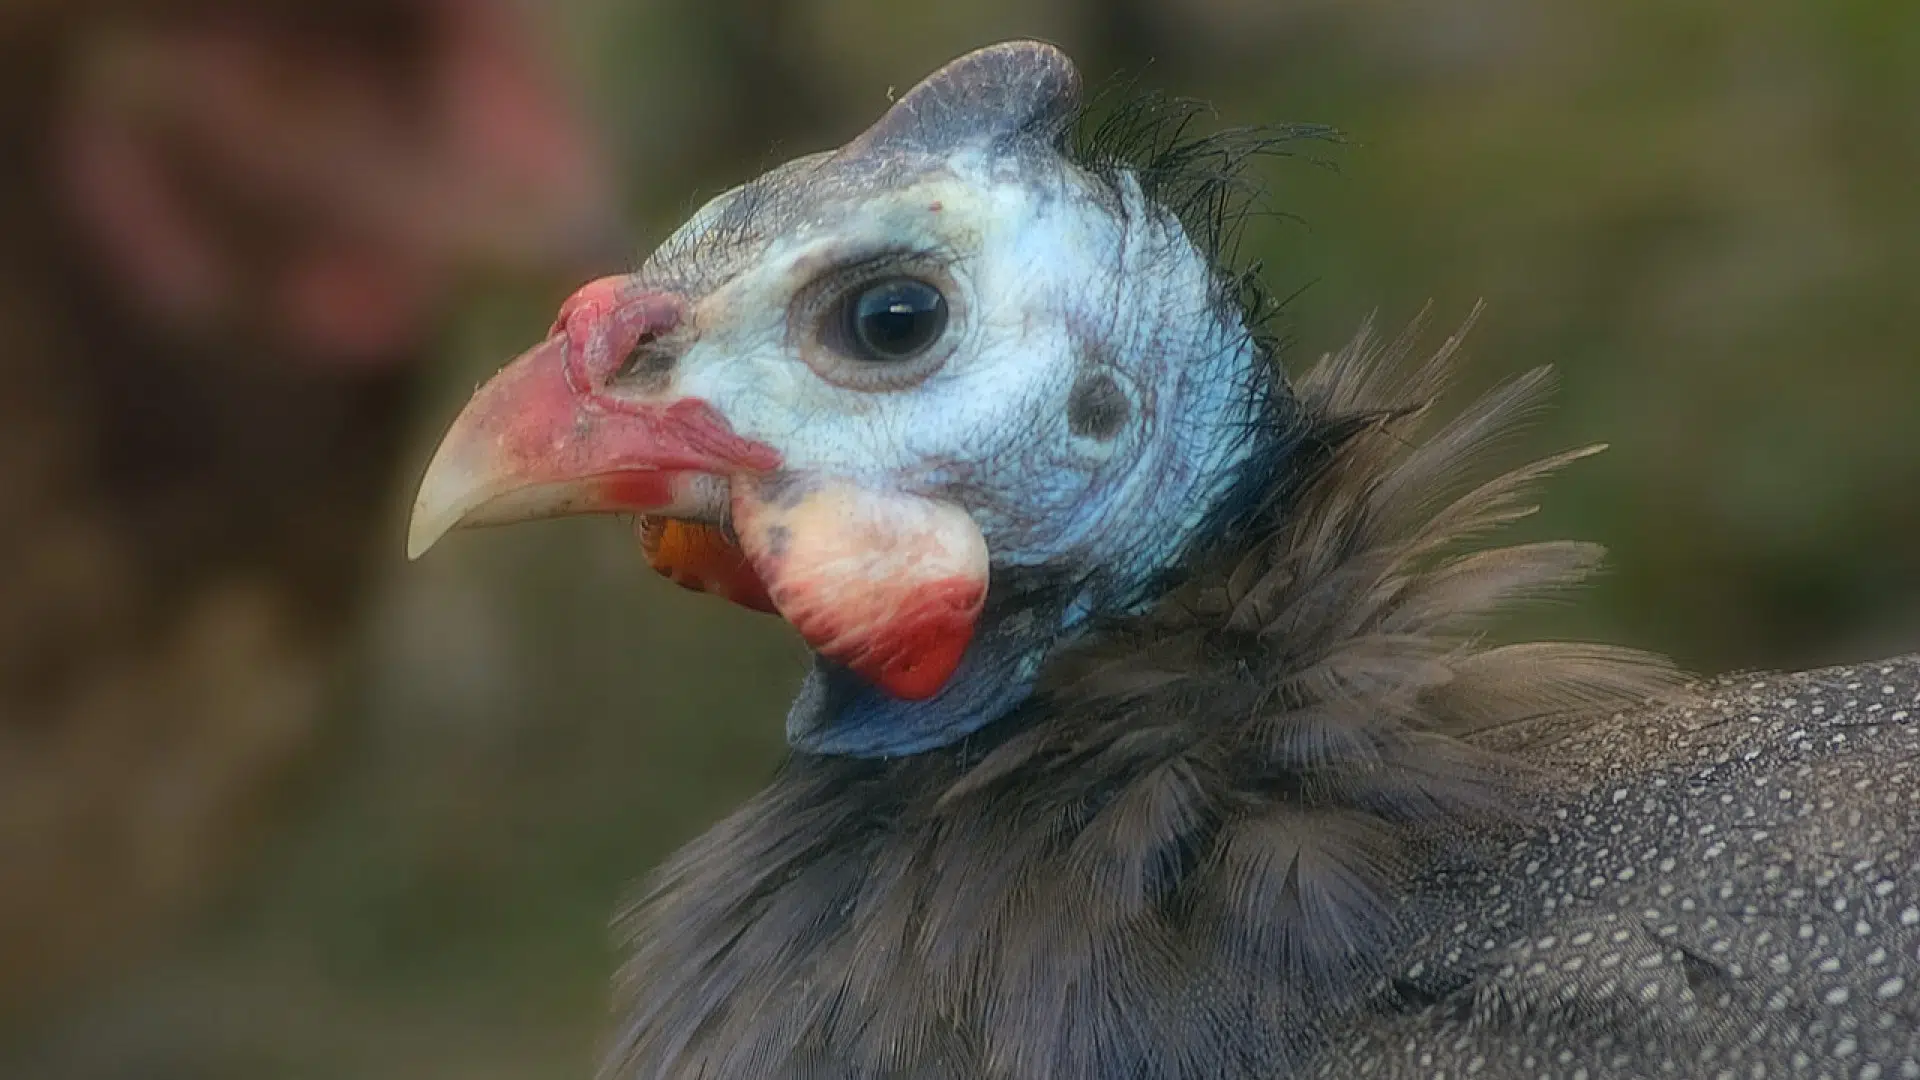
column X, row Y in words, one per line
column 611, row 321
column 648, row 368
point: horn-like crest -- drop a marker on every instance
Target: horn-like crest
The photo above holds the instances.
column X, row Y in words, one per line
column 1013, row 91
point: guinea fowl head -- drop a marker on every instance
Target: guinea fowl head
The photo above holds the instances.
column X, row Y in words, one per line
column 940, row 397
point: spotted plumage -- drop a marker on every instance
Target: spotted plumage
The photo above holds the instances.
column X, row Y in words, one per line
column 1726, row 886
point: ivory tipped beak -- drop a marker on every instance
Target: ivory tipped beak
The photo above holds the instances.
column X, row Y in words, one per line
column 449, row 493
column 469, row 484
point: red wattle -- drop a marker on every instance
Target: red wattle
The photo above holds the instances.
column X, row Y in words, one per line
column 886, row 583
column 911, row 650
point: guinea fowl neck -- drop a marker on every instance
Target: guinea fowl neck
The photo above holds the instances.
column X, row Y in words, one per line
column 1209, row 816
column 1210, row 454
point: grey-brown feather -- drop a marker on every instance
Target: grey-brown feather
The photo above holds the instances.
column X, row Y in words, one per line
column 1725, row 886
column 1284, row 819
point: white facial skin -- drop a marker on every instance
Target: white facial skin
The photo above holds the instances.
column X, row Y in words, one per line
column 1050, row 280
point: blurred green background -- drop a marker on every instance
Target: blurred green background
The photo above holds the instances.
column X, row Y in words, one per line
column 1706, row 214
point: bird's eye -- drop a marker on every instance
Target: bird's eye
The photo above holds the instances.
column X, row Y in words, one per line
column 896, row 319
column 877, row 325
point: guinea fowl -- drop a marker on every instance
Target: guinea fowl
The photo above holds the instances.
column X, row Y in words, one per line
column 1152, row 731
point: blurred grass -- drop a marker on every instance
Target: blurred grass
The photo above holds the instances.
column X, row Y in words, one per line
column 1704, row 213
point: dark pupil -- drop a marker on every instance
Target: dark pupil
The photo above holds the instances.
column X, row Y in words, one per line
column 896, row 319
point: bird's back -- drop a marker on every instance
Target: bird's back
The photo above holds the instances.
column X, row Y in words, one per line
column 1729, row 887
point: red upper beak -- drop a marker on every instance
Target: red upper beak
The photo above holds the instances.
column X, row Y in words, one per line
column 549, row 435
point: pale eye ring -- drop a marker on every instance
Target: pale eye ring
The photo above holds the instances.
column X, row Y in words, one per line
column 880, row 329
column 892, row 320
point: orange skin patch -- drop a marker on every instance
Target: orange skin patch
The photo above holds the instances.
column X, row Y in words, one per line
column 702, row 558
column 886, row 584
